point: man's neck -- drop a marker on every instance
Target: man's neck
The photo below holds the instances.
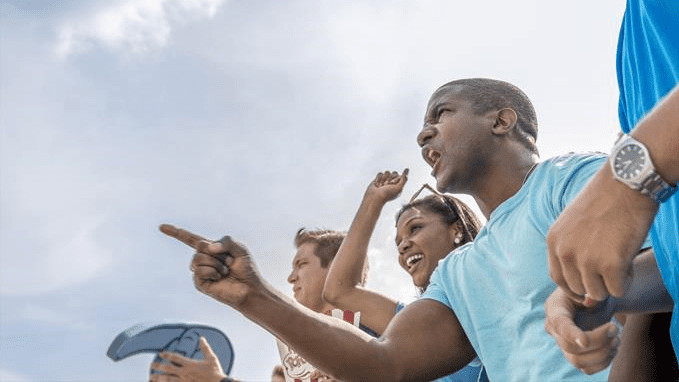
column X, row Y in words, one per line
column 325, row 308
column 502, row 182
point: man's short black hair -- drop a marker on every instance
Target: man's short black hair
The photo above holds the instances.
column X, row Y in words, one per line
column 487, row 94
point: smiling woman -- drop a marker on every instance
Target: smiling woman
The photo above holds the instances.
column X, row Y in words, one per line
column 248, row 120
column 427, row 230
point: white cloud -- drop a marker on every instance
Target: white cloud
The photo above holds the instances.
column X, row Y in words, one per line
column 133, row 25
column 61, row 316
column 9, row 376
column 72, row 256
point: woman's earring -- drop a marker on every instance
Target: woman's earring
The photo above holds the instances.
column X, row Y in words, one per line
column 458, row 240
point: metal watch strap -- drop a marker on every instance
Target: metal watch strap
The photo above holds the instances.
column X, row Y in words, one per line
column 653, row 186
column 656, row 188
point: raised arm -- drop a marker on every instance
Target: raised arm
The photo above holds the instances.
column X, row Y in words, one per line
column 592, row 243
column 425, row 341
column 343, row 285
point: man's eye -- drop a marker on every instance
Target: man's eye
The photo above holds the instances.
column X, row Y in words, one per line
column 415, row 228
column 436, row 116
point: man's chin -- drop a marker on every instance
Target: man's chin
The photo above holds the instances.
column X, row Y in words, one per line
column 442, row 185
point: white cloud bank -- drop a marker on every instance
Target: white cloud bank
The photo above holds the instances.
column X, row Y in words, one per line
column 136, row 26
column 9, row 376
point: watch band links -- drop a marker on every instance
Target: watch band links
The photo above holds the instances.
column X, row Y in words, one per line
column 649, row 182
column 657, row 189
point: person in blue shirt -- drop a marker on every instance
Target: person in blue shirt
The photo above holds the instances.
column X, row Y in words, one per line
column 479, row 139
column 427, row 230
column 593, row 244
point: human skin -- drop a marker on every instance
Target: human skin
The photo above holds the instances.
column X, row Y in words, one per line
column 610, row 220
column 185, row 369
column 584, row 333
column 473, row 154
column 420, row 234
column 459, row 144
column 224, row 270
column 307, row 278
column 343, row 284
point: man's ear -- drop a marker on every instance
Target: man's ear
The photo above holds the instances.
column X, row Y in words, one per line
column 505, row 121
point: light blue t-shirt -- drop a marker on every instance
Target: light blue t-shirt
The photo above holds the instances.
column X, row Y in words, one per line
column 497, row 284
column 648, row 68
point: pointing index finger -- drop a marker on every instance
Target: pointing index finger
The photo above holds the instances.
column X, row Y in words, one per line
column 186, row 237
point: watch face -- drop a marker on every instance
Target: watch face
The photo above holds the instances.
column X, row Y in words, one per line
column 629, row 161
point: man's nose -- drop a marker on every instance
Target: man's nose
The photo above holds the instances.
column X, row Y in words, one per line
column 292, row 277
column 427, row 133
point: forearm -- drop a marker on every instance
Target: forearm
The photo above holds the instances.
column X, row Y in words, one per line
column 346, row 270
column 319, row 338
column 659, row 131
column 647, row 292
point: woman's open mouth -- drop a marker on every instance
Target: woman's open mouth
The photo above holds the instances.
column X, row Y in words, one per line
column 412, row 260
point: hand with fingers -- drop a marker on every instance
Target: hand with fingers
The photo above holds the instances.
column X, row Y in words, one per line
column 221, row 269
column 387, row 186
column 586, row 336
column 592, row 244
column 181, row 369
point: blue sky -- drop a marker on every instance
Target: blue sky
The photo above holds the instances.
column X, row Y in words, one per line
column 248, row 118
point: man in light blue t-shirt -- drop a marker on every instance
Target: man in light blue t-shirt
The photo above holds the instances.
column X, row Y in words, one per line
column 487, row 299
column 497, row 285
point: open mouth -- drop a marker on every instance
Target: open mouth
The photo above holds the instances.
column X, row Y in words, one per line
column 413, row 259
column 430, row 156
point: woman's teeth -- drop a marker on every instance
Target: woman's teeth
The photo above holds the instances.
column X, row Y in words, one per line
column 413, row 259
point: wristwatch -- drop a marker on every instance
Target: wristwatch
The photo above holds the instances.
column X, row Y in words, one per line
column 632, row 165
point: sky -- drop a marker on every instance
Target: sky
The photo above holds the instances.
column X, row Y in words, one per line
column 246, row 118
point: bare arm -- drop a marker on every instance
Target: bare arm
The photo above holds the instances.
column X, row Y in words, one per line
column 659, row 131
column 610, row 219
column 646, row 294
column 224, row 271
column 403, row 353
column 343, row 283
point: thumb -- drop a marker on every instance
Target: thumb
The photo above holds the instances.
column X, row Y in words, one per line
column 569, row 332
column 577, row 335
column 207, row 351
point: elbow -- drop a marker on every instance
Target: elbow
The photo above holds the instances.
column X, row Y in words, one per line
column 339, row 295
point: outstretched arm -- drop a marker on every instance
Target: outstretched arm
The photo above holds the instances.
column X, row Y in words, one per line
column 224, row 271
column 592, row 243
column 343, row 284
